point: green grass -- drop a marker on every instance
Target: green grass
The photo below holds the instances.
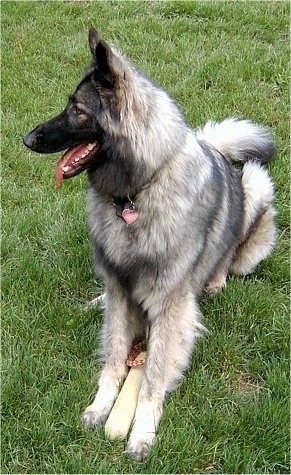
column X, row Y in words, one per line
column 230, row 414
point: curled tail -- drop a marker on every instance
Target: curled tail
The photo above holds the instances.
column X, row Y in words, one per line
column 248, row 143
column 239, row 140
column 259, row 230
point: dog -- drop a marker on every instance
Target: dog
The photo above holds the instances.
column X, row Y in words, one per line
column 170, row 217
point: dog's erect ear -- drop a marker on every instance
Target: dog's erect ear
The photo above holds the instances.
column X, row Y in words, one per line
column 103, row 58
column 99, row 49
column 94, row 39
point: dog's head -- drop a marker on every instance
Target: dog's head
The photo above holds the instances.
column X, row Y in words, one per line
column 83, row 125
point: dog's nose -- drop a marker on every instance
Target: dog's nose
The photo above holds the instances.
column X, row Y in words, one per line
column 29, row 140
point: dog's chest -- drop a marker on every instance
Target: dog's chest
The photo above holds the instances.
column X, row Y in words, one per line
column 121, row 246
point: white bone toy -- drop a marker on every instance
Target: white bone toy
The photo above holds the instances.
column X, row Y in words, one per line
column 122, row 413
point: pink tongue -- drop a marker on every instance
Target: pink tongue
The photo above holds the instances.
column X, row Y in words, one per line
column 67, row 159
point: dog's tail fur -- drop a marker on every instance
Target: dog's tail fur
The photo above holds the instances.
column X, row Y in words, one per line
column 259, row 229
column 246, row 142
column 239, row 140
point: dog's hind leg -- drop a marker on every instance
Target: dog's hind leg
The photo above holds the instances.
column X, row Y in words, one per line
column 217, row 282
column 121, row 328
column 259, row 228
column 173, row 326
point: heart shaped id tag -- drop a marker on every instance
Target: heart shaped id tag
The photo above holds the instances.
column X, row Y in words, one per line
column 130, row 215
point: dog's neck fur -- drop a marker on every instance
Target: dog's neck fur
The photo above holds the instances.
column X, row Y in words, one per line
column 118, row 176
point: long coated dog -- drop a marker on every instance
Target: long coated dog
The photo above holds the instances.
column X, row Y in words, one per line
column 169, row 217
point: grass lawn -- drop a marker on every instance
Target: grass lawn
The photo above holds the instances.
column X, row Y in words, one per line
column 231, row 412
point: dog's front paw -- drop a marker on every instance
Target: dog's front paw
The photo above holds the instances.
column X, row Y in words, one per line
column 138, row 447
column 93, row 416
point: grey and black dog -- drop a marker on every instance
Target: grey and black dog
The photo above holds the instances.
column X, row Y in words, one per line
column 169, row 218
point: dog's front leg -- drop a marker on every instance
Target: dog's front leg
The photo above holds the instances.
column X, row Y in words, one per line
column 173, row 327
column 120, row 328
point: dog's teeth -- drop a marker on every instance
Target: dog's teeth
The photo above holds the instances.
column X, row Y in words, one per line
column 65, row 169
column 90, row 146
column 76, row 160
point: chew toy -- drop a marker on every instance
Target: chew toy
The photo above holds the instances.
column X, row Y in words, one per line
column 122, row 413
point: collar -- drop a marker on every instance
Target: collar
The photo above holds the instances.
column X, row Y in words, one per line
column 125, row 206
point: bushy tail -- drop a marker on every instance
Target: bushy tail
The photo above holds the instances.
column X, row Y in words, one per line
column 259, row 230
column 239, row 140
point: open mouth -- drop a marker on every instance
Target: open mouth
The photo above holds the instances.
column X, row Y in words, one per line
column 75, row 160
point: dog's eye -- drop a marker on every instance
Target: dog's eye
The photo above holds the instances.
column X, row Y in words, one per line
column 78, row 110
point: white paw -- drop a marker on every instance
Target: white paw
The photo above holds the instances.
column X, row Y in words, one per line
column 94, row 416
column 142, row 437
column 139, row 446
